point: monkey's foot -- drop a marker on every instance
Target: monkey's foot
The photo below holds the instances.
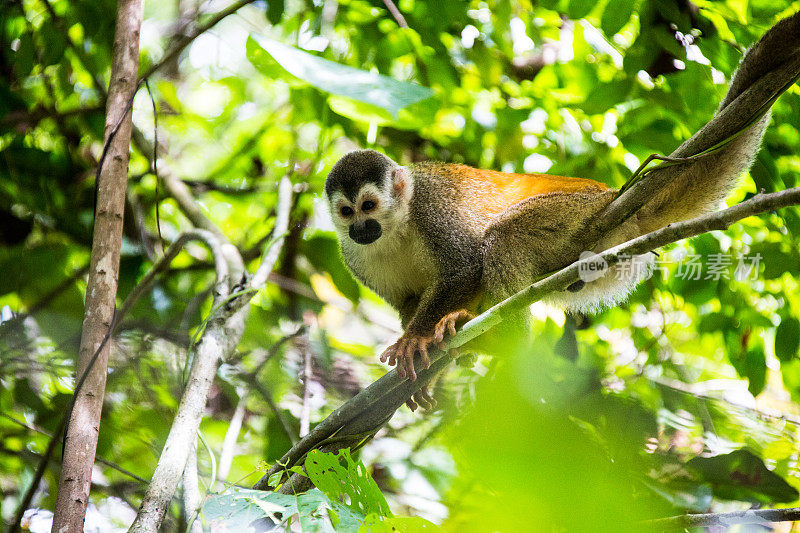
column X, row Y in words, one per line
column 447, row 325
column 402, row 352
column 422, row 398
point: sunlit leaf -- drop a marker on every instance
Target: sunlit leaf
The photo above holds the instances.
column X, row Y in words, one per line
column 370, row 88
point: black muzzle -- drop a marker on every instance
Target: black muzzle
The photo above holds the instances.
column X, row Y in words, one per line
column 365, row 232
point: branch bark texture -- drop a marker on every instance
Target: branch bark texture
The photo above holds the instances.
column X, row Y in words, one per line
column 82, row 431
column 218, row 341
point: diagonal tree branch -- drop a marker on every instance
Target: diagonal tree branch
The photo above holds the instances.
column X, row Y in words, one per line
column 733, row 119
column 361, row 416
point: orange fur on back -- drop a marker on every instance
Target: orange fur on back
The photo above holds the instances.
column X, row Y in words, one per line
column 492, row 192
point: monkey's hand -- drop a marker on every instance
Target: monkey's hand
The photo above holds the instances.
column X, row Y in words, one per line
column 402, row 352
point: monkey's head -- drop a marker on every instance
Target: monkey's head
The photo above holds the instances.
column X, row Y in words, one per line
column 368, row 195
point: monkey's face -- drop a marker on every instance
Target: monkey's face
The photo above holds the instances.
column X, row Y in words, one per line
column 366, row 204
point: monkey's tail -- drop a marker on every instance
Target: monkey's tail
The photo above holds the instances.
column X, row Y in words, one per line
column 701, row 184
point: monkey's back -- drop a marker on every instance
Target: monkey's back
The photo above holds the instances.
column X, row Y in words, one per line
column 481, row 195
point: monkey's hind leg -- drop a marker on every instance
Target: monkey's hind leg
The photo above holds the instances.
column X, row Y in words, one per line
column 540, row 235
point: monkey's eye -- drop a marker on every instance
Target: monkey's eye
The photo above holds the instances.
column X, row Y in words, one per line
column 346, row 211
column 368, row 205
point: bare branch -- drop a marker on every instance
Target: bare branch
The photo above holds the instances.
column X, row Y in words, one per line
column 729, row 122
column 188, row 205
column 398, row 17
column 231, row 436
column 222, row 334
column 191, row 491
column 180, row 45
column 278, row 235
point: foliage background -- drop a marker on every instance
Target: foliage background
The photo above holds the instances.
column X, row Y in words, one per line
column 609, row 424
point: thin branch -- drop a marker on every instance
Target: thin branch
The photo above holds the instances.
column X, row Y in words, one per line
column 366, row 412
column 188, row 205
column 28, row 119
column 273, row 248
column 228, row 451
column 54, row 438
column 305, row 411
column 191, row 491
column 207, row 237
column 733, row 119
column 37, row 476
column 763, row 517
column 398, row 17
column 181, row 44
column 219, row 339
column 267, row 395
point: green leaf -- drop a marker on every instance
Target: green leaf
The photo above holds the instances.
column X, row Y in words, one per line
column 787, row 339
column 741, row 475
column 274, row 479
column 577, row 9
column 370, row 88
column 275, row 9
column 322, row 250
column 350, row 479
column 24, row 56
column 54, row 43
column 616, row 14
column 243, row 510
column 756, row 370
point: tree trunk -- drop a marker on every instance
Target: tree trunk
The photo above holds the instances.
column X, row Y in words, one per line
column 82, row 431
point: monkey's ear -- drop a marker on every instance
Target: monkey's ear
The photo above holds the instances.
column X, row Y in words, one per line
column 399, row 180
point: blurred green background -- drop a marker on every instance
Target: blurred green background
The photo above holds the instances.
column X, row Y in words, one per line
column 682, row 399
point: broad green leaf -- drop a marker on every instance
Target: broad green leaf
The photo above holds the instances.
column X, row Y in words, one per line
column 247, row 510
column 370, row 88
column 741, row 475
column 322, row 251
column 787, row 339
column 616, row 14
column 275, row 9
column 350, row 479
column 577, row 9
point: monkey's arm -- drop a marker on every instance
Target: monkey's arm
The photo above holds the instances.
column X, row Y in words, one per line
column 440, row 308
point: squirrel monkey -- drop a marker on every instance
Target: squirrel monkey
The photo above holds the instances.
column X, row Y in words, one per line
column 442, row 241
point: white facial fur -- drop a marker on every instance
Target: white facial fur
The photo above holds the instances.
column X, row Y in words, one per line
column 391, row 204
column 395, row 265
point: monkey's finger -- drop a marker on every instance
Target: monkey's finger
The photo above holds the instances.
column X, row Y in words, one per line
column 411, row 405
column 409, row 360
column 451, row 327
column 424, row 399
column 438, row 333
column 423, row 353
